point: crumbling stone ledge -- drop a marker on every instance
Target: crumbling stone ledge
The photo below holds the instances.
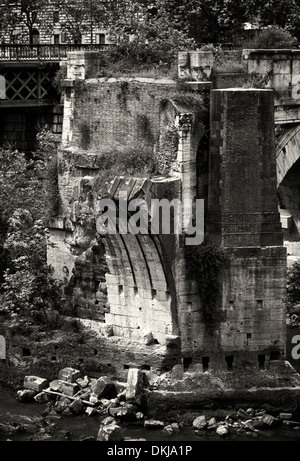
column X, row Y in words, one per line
column 271, row 399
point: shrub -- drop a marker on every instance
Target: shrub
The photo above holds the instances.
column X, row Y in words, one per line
column 293, row 286
column 272, row 37
column 229, row 66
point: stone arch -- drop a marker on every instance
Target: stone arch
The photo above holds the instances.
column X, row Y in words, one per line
column 140, row 288
column 288, row 172
column 287, row 152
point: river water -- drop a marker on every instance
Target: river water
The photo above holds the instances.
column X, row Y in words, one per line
column 75, row 428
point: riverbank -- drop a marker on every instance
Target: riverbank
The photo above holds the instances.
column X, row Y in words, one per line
column 28, row 424
column 175, row 399
column 193, row 407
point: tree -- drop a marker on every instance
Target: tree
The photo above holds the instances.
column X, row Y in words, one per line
column 27, row 287
column 15, row 12
column 144, row 35
column 213, row 21
column 219, row 21
column 79, row 16
column 273, row 37
column 282, row 13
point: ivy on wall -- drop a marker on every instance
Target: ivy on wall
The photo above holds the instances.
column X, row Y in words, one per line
column 204, row 263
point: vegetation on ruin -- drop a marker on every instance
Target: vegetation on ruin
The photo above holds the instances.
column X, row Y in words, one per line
column 204, row 263
column 292, row 300
column 273, row 37
column 26, row 286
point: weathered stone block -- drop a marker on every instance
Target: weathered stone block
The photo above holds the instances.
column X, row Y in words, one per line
column 110, row 433
column 134, row 388
column 69, row 388
column 200, row 422
column 35, row 383
column 154, row 424
column 103, row 388
column 69, row 374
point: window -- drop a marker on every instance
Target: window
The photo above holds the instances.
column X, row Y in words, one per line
column 260, row 304
column 100, row 39
column 261, row 362
column 55, row 16
column 187, row 361
column 35, row 37
column 56, row 39
column 229, row 360
column 205, row 363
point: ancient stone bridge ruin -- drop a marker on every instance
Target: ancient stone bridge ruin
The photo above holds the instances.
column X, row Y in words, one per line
column 139, row 294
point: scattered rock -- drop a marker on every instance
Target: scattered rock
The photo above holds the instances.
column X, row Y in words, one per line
column 175, row 427
column 248, row 425
column 35, row 383
column 126, row 412
column 61, row 404
column 129, row 439
column 25, row 395
column 11, row 428
column 258, row 424
column 83, row 382
column 222, row 431
column 269, row 420
column 107, row 330
column 108, row 420
column 67, row 412
column 42, row 397
column 242, row 414
column 285, row 415
column 69, row 388
column 93, row 399
column 55, row 385
column 148, row 339
column 134, row 390
column 288, row 422
column 153, row 424
column 177, row 372
column 212, row 424
column 110, row 432
column 200, row 423
column 98, row 387
column 69, row 374
column 91, row 411
column 77, row 406
column 168, row 429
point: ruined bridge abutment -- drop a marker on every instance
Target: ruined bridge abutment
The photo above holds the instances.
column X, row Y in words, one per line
column 134, row 291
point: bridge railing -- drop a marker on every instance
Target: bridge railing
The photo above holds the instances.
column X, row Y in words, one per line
column 43, row 52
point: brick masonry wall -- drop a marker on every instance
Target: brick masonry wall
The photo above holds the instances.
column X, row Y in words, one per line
column 243, row 146
column 118, row 112
column 243, row 217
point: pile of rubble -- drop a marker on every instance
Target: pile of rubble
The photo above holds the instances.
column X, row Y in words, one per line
column 247, row 422
column 116, row 403
column 71, row 394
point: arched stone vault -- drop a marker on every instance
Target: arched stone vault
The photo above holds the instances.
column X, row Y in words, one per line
column 287, row 152
column 287, row 166
column 138, row 291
